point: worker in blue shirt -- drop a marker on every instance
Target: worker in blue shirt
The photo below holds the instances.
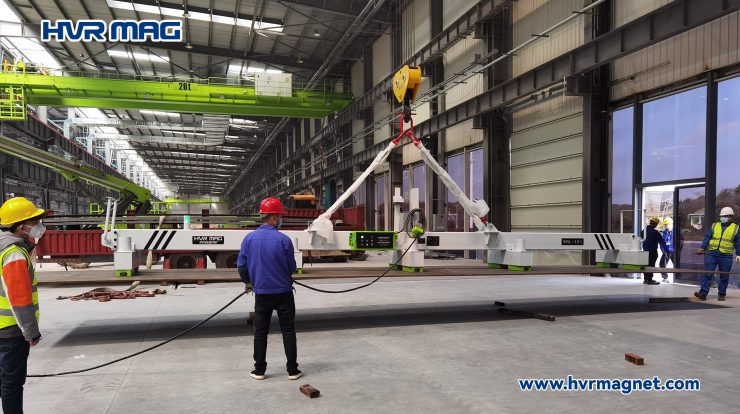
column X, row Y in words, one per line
column 653, row 238
column 266, row 264
column 719, row 245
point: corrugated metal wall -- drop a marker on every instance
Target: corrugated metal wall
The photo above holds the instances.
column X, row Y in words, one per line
column 624, row 11
column 415, row 25
column 535, row 16
column 453, row 9
column 547, row 171
column 457, row 58
column 382, row 58
column 710, row 46
column 547, row 166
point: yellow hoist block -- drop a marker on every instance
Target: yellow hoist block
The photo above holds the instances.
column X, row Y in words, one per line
column 406, row 83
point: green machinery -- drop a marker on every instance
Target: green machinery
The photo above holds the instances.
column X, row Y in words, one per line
column 208, row 96
column 130, row 193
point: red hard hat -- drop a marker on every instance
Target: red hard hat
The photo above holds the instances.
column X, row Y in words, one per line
column 272, row 205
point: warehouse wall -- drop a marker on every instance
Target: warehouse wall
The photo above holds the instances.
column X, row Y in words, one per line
column 416, row 26
column 547, row 138
column 624, row 11
column 707, row 47
column 547, row 170
column 457, row 59
column 534, row 17
column 453, row 9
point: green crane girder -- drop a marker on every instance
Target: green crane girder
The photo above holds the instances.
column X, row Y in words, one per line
column 166, row 94
column 74, row 170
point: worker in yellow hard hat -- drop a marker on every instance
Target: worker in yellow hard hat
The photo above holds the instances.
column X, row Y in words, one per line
column 668, row 254
column 20, row 222
column 652, row 239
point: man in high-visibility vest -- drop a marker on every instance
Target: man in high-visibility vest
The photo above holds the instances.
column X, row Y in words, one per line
column 20, row 221
column 720, row 244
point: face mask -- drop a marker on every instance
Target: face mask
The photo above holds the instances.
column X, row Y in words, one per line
column 724, row 220
column 37, row 231
column 669, row 227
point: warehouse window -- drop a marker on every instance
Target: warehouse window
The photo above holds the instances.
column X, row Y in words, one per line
column 419, row 180
column 622, row 206
column 455, row 212
column 380, row 202
column 475, row 178
column 728, row 144
column 405, row 187
column 674, row 137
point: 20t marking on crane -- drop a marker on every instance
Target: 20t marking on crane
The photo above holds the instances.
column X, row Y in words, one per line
column 89, row 30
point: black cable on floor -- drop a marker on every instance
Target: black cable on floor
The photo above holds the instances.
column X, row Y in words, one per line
column 183, row 333
column 391, row 267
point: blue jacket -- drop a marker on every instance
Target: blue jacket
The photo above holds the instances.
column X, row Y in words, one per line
column 266, row 261
column 653, row 239
column 708, row 237
column 668, row 238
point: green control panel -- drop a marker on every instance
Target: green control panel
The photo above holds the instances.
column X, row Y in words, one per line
column 373, row 240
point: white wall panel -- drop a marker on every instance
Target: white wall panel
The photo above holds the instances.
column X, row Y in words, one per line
column 547, row 166
column 416, row 26
column 707, row 47
column 410, row 154
column 535, row 16
column 359, row 143
column 453, row 9
column 357, row 79
column 456, row 59
column 624, row 11
column 462, row 135
column 380, row 110
column 382, row 58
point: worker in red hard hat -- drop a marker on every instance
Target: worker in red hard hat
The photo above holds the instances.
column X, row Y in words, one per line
column 266, row 264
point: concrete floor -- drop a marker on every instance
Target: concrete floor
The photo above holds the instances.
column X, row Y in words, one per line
column 406, row 346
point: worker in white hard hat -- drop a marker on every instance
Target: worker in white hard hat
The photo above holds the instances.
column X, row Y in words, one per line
column 720, row 244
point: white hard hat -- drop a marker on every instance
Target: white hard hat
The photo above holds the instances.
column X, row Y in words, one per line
column 726, row 211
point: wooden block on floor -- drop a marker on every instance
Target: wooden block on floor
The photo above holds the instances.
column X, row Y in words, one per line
column 634, row 358
column 164, row 283
column 309, row 391
column 201, row 282
column 497, row 303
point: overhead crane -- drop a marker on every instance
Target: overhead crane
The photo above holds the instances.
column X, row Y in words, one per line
column 73, row 170
column 207, row 96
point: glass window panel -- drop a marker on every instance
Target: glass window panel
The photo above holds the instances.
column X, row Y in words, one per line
column 475, row 178
column 419, row 178
column 380, row 202
column 405, row 186
column 622, row 162
column 728, row 149
column 455, row 212
column 674, row 137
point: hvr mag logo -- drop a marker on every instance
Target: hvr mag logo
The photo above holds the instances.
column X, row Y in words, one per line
column 113, row 31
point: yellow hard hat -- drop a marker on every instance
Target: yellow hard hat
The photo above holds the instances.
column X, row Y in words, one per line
column 654, row 221
column 18, row 209
column 668, row 220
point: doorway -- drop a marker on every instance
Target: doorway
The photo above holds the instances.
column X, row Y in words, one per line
column 680, row 209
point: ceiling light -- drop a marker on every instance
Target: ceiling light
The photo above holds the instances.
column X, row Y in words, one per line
column 316, row 33
column 188, row 45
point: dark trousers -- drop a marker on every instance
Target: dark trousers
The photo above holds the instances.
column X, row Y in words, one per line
column 284, row 304
column 664, row 261
column 652, row 257
column 13, row 365
column 723, row 263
